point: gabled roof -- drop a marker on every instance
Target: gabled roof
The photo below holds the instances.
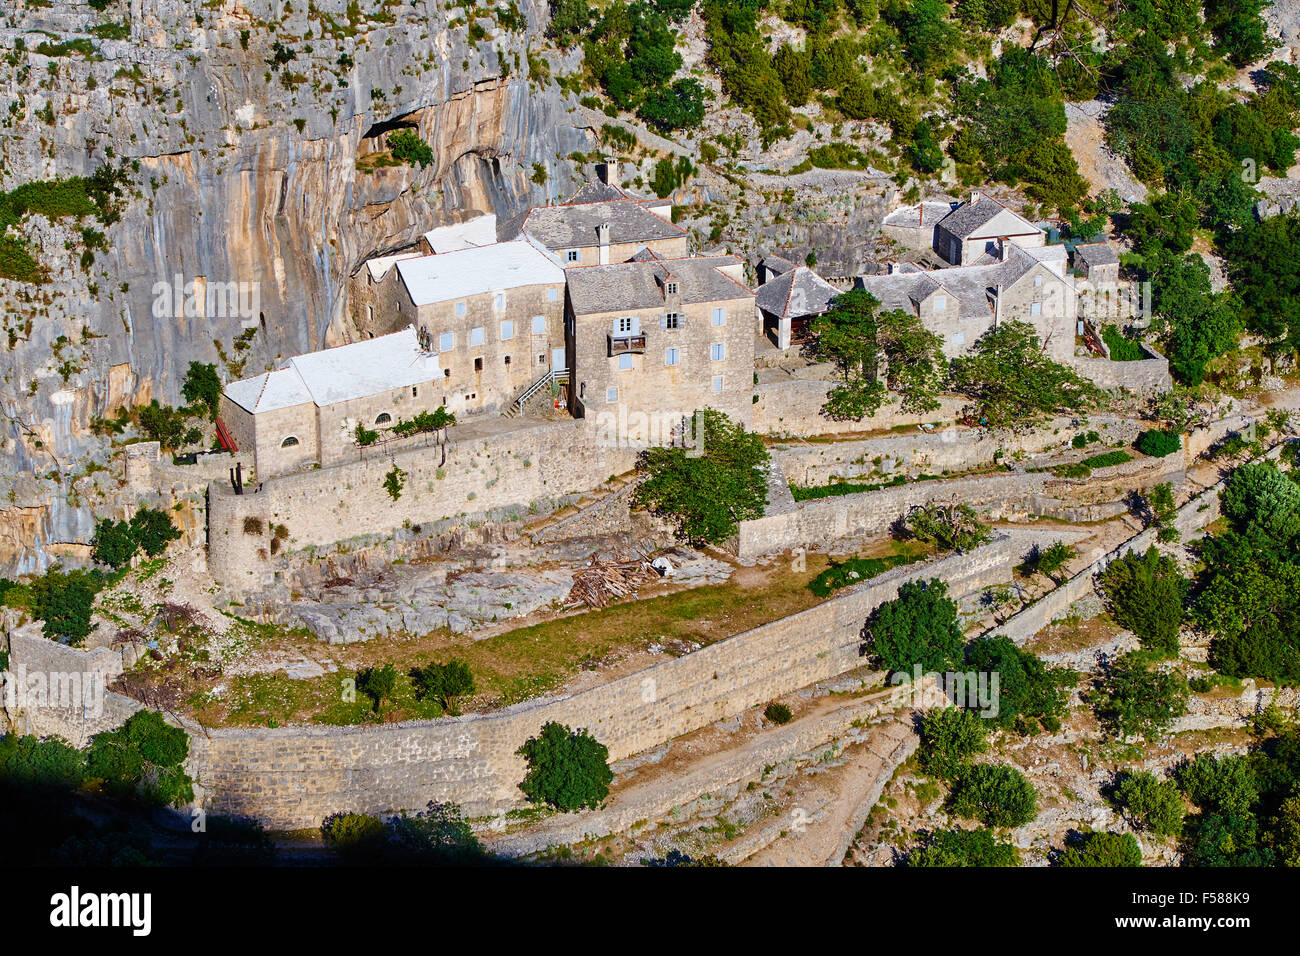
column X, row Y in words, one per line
column 574, row 226
column 920, row 214
column 974, row 287
column 797, row 293
column 636, row 284
column 269, row 391
column 968, row 218
column 1095, row 254
column 596, row 191
column 777, row 265
column 466, row 272
column 368, row 367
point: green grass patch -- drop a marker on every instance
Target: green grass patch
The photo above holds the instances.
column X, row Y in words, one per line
column 1122, row 348
column 856, row 570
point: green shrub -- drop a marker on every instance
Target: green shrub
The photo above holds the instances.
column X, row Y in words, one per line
column 997, row 796
column 1101, row 849
column 153, row 530
column 963, row 848
column 566, row 769
column 49, row 764
column 778, row 713
column 1150, row 803
column 1028, row 690
column 1158, row 443
column 949, row 739
column 1218, row 784
column 407, row 147
column 1122, row 348
column 142, row 760
column 1132, row 698
column 113, row 543
column 1146, row 594
column 920, row 627
column 354, row 835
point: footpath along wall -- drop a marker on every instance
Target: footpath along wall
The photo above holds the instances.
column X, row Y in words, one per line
column 292, row 777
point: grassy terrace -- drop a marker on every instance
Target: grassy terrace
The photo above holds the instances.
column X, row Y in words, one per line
column 518, row 664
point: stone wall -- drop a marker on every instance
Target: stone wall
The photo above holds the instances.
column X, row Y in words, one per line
column 321, row 508
column 1145, row 376
column 76, row 711
column 1190, row 519
column 828, row 519
column 292, row 777
column 950, row 448
column 793, row 407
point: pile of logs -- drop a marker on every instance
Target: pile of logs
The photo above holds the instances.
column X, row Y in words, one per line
column 599, row 583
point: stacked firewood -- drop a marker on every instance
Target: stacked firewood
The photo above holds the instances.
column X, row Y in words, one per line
column 599, row 582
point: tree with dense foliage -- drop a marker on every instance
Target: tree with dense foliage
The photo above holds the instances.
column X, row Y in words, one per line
column 377, row 683
column 1132, row 698
column 1150, row 803
column 995, row 795
column 919, row 627
column 113, row 543
column 1012, row 380
column 980, row 847
column 407, row 147
column 1147, row 593
column 1158, row 442
column 916, row 369
column 153, row 530
column 1264, row 265
column 142, row 759
column 567, row 770
column 847, row 334
column 443, row 682
column 1029, row 692
column 63, row 601
column 1248, row 593
column 1218, row 784
column 1101, row 849
column 706, row 491
column 202, row 386
column 950, row 737
column 1015, row 128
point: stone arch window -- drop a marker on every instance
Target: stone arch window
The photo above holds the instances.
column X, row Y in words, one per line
column 289, row 442
column 383, row 419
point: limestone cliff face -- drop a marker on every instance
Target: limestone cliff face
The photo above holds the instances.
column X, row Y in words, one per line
column 248, row 175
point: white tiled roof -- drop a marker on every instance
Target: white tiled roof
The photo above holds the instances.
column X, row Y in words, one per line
column 463, row 235
column 466, row 272
column 339, row 374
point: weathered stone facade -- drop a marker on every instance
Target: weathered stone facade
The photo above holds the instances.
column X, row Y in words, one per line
column 673, row 336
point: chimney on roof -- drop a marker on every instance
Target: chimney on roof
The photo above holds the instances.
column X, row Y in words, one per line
column 602, row 237
column 607, row 172
column 975, row 195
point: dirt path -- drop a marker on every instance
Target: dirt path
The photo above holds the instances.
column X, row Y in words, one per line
column 832, row 807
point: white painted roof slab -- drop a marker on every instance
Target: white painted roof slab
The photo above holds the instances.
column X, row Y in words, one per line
column 466, row 272
column 481, row 231
column 369, row 367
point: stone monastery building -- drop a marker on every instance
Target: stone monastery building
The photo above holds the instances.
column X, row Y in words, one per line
column 599, row 301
